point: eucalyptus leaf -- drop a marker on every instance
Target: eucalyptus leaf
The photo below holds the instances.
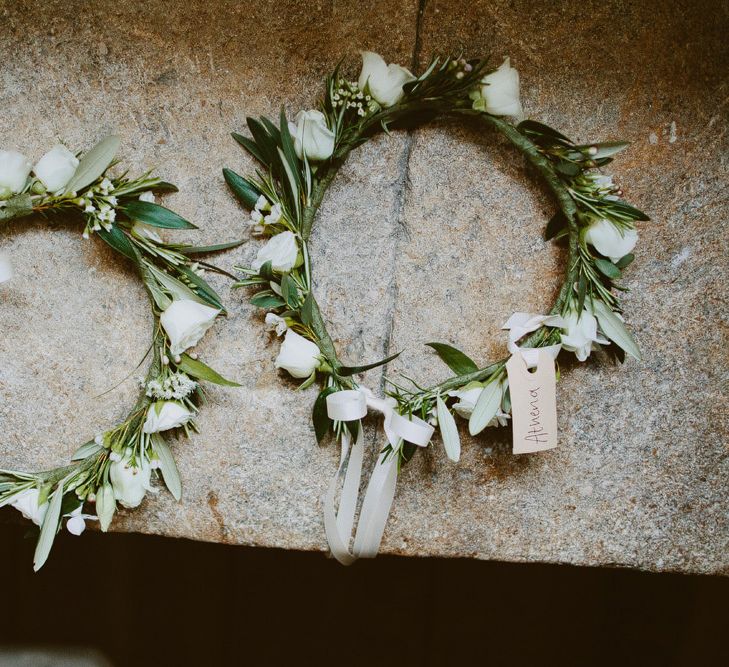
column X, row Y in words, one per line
column 167, row 466
column 85, row 450
column 155, row 215
column 612, row 326
column 48, row 529
column 16, row 207
column 346, row 371
column 607, row 268
column 320, row 416
column 267, row 299
column 105, row 505
column 94, row 163
column 448, row 431
column 250, row 146
column 120, row 242
column 486, row 407
column 459, row 362
column 201, row 371
column 246, row 193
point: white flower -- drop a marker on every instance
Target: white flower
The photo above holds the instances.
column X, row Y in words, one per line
column 281, row 250
column 500, row 91
column 76, row 523
column 262, row 204
column 610, row 241
column 6, row 268
column 185, row 321
column 145, row 231
column 276, row 323
column 580, row 334
column 130, row 482
column 14, row 170
column 467, row 399
column 299, row 356
column 312, row 136
column 164, row 415
column 147, row 196
column 56, row 168
column 106, row 186
column 26, row 502
column 384, row 82
column 256, row 217
column 274, row 216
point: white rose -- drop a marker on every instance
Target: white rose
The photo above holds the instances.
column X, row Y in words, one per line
column 6, row 268
column 14, row 170
column 185, row 321
column 312, row 136
column 56, row 168
column 130, row 482
column 299, row 356
column 500, row 91
column 384, row 82
column 26, row 502
column 580, row 334
column 281, row 250
column 164, row 415
column 610, row 241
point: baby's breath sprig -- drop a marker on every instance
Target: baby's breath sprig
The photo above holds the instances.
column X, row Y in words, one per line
column 118, row 465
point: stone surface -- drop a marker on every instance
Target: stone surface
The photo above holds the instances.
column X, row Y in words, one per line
column 431, row 235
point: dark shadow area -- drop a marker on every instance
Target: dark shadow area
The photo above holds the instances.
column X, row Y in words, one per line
column 155, row 601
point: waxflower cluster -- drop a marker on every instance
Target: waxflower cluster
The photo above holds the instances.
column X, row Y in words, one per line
column 177, row 385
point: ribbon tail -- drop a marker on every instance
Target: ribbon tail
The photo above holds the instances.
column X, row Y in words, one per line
column 376, row 506
column 338, row 524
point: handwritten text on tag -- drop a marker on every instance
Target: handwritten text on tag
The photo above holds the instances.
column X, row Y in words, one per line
column 533, row 404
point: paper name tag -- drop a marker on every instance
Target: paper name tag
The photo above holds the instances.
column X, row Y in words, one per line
column 533, row 404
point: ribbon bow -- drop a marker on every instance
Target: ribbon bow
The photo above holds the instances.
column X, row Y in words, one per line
column 6, row 268
column 352, row 405
column 520, row 324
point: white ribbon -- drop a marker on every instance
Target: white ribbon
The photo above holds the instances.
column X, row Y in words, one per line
column 352, row 405
column 520, row 324
column 6, row 268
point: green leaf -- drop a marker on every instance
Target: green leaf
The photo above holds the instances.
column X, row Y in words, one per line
column 120, row 242
column 201, row 371
column 557, row 223
column 201, row 249
column 625, row 260
column 85, row 450
column 581, row 292
column 155, row 215
column 250, row 146
column 627, row 211
column 612, row 326
column 292, row 183
column 177, row 289
column 264, row 141
column 267, row 299
column 48, row 529
column 289, row 291
column 246, row 193
column 607, row 148
column 167, row 466
column 320, row 416
column 287, row 144
column 307, row 314
column 486, row 407
column 448, row 431
column 346, row 371
column 94, row 163
column 105, row 505
column 266, row 270
column 203, row 288
column 164, row 187
column 459, row 362
column 607, row 268
column 532, row 127
column 16, row 207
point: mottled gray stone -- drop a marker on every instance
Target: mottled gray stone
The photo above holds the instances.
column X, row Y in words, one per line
column 433, row 235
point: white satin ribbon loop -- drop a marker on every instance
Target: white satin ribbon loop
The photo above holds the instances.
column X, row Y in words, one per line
column 520, row 324
column 346, row 406
column 351, row 405
column 413, row 430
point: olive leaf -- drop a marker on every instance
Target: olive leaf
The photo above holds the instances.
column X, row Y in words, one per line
column 94, row 163
column 448, row 431
column 613, row 327
column 459, row 362
column 167, row 466
column 201, row 371
column 49, row 528
column 486, row 407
